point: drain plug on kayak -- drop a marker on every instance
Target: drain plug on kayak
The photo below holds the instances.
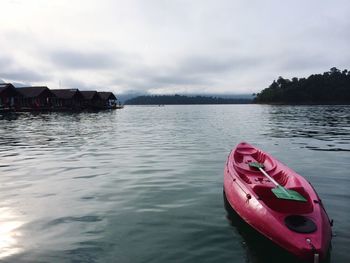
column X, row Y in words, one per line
column 300, row 224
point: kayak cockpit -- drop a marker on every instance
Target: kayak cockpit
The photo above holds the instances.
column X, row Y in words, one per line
column 262, row 186
column 265, row 195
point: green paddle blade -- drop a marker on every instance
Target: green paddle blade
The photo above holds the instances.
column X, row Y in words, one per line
column 256, row 165
column 280, row 192
column 287, row 194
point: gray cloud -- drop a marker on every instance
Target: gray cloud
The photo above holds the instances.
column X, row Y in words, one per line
column 70, row 59
column 5, row 62
column 300, row 61
column 192, row 72
column 174, row 79
column 158, row 77
column 70, row 83
column 22, row 75
column 234, row 46
column 215, row 65
column 12, row 71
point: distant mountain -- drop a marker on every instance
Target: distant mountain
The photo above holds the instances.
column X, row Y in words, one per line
column 332, row 87
column 225, row 96
column 124, row 97
column 183, row 100
column 127, row 96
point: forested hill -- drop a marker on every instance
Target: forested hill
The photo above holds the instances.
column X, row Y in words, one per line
column 182, row 100
column 332, row 87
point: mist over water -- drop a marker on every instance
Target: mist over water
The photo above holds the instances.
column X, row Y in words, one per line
column 144, row 184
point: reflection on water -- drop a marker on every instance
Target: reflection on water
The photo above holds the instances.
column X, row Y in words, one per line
column 144, row 184
column 328, row 126
column 9, row 233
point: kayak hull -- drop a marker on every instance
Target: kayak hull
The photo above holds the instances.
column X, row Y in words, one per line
column 301, row 228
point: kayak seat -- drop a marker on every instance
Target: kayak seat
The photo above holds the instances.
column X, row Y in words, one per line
column 260, row 156
column 266, row 196
column 281, row 178
column 241, row 161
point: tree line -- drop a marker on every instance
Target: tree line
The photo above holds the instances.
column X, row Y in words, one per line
column 331, row 87
column 184, row 100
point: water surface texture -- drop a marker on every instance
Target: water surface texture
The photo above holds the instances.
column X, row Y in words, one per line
column 144, row 184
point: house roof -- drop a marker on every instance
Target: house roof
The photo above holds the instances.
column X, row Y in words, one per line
column 4, row 86
column 66, row 93
column 31, row 92
column 88, row 94
column 107, row 95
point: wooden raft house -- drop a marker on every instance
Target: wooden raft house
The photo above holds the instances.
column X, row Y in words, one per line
column 108, row 99
column 92, row 100
column 8, row 95
column 41, row 98
column 68, row 99
column 34, row 99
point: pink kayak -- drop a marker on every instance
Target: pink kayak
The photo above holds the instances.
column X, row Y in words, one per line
column 297, row 223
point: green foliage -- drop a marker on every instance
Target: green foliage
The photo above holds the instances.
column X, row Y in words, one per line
column 332, row 87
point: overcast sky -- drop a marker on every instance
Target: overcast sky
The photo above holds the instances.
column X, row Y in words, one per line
column 170, row 46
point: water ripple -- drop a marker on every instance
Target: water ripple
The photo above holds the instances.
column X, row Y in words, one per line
column 144, row 184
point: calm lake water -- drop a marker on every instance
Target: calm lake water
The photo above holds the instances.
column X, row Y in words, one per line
column 144, row 184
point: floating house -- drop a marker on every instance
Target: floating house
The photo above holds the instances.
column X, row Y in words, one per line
column 109, row 100
column 34, row 98
column 41, row 98
column 68, row 99
column 91, row 100
column 8, row 96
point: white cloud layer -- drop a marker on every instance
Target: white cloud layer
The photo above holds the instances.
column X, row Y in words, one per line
column 170, row 46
